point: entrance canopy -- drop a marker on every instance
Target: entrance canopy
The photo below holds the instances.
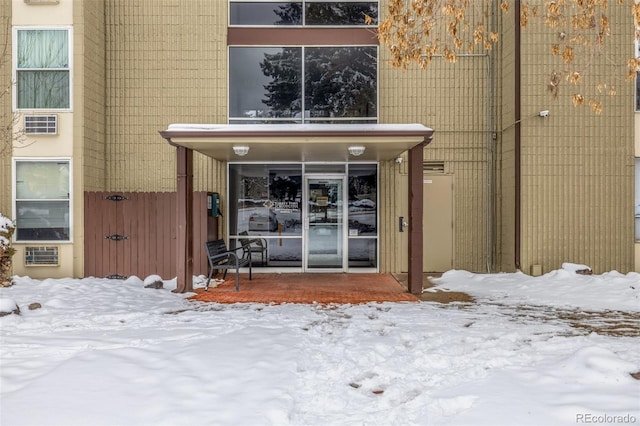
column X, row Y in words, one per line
column 295, row 142
column 298, row 142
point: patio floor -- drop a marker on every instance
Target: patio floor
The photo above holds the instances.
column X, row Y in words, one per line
column 308, row 288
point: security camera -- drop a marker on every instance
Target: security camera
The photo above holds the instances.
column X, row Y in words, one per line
column 398, row 160
column 544, row 113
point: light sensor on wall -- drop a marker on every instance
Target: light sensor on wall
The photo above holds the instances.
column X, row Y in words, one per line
column 241, row 150
column 356, row 150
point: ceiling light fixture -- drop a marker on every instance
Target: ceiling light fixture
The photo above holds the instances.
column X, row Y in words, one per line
column 356, row 150
column 241, row 150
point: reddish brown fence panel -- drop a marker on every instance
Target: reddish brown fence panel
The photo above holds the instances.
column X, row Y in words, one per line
column 136, row 235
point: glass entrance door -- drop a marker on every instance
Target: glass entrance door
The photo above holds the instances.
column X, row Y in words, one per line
column 325, row 238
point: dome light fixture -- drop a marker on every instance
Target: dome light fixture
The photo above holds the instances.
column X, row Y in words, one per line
column 241, row 150
column 356, row 150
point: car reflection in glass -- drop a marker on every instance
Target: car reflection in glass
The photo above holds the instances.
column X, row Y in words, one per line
column 263, row 221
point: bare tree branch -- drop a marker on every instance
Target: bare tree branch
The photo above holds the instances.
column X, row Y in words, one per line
column 418, row 31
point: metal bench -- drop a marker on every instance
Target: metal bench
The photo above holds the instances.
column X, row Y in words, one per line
column 222, row 259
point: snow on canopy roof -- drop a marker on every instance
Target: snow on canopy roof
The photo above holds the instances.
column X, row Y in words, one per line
column 298, row 128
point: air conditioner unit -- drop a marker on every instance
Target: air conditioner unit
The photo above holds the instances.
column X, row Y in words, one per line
column 41, row 256
column 42, row 1
column 41, row 124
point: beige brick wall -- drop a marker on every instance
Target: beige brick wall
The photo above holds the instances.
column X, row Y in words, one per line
column 166, row 63
column 90, row 79
column 453, row 100
column 577, row 167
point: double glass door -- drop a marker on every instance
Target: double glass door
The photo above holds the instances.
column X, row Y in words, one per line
column 324, row 227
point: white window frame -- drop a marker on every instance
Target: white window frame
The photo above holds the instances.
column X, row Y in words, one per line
column 14, row 68
column 17, row 160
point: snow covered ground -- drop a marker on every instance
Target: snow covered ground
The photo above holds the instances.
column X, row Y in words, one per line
column 108, row 352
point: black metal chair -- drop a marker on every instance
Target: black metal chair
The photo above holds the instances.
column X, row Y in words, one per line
column 222, row 259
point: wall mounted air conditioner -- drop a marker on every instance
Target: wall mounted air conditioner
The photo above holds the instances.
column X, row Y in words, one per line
column 41, row 256
column 41, row 124
column 42, row 1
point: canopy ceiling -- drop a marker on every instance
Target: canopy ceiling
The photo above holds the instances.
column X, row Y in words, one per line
column 298, row 142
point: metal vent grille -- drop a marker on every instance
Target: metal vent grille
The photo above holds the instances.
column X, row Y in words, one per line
column 433, row 166
column 41, row 256
column 41, row 124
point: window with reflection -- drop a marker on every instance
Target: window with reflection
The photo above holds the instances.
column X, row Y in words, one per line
column 363, row 253
column 303, row 13
column 363, row 215
column 266, row 84
column 43, row 76
column 363, row 200
column 267, row 205
column 43, row 203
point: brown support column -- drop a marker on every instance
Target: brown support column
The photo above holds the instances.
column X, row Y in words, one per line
column 184, row 207
column 415, row 219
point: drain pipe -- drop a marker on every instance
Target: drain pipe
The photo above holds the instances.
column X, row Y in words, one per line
column 490, row 152
column 517, row 136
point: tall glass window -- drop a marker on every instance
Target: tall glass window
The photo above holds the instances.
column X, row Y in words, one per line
column 268, row 205
column 303, row 13
column 363, row 215
column 303, row 84
column 43, row 203
column 43, row 69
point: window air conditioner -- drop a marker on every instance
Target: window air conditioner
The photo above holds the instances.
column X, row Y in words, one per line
column 42, row 1
column 41, row 124
column 41, row 256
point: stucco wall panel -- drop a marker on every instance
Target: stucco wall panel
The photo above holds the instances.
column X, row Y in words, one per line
column 5, row 107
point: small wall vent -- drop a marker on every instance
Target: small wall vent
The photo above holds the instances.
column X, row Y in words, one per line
column 41, row 124
column 41, row 256
column 433, row 166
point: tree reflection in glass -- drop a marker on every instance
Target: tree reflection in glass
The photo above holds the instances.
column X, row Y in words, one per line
column 346, row 13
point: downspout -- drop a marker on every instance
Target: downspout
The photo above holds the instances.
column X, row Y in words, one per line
column 517, row 136
column 490, row 132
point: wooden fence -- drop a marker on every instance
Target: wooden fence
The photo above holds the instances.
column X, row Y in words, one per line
column 134, row 233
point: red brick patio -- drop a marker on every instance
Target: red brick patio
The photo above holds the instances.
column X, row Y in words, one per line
column 308, row 288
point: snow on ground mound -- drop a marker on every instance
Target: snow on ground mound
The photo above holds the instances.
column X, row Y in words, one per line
column 560, row 288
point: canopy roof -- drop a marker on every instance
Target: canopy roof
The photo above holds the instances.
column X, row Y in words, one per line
column 298, row 142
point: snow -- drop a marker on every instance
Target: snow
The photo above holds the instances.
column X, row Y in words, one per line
column 297, row 128
column 5, row 225
column 112, row 352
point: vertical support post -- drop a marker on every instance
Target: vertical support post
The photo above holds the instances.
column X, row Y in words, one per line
column 184, row 216
column 415, row 219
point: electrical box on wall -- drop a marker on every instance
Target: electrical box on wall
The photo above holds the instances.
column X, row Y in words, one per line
column 213, row 204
